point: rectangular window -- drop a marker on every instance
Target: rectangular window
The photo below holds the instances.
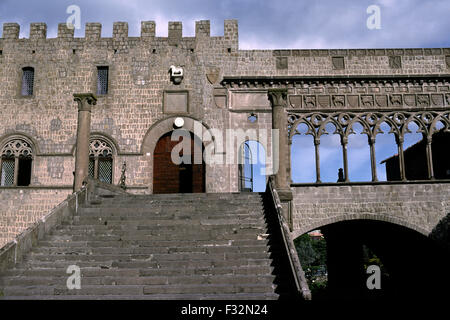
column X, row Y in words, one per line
column 105, row 170
column 27, row 81
column 7, row 174
column 24, row 174
column 91, row 168
column 102, row 80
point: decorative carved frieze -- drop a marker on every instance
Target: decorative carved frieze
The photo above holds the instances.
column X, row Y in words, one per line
column 295, row 101
column 310, row 101
column 324, row 101
column 410, row 100
column 353, row 101
column 381, row 101
column 437, row 100
column 338, row 101
column 423, row 100
column 367, row 101
column 395, row 100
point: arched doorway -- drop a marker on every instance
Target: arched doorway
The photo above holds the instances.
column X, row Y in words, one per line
column 169, row 177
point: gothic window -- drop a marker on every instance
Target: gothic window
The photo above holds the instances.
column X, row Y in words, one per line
column 15, row 162
column 102, row 80
column 27, row 81
column 100, row 160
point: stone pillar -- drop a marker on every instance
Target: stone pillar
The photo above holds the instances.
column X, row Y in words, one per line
column 430, row 159
column 278, row 99
column 279, row 121
column 85, row 102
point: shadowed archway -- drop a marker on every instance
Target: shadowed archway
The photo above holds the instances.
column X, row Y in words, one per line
column 185, row 177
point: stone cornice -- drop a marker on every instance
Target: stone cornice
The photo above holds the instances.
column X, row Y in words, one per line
column 293, row 81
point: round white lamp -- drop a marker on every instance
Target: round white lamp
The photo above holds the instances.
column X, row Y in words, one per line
column 178, row 122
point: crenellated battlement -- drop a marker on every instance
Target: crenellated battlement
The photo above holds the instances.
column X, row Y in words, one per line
column 93, row 31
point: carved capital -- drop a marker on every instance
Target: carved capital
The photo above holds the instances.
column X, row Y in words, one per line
column 278, row 97
column 85, row 101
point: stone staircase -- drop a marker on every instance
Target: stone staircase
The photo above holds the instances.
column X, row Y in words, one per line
column 177, row 246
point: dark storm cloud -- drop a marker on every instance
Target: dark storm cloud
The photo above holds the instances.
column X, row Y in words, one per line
column 262, row 24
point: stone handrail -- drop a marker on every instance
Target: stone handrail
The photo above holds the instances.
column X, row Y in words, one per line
column 299, row 276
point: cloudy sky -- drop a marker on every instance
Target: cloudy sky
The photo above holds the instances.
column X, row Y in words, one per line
column 262, row 24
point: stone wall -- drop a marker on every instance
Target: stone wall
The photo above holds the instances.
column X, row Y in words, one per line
column 21, row 207
column 416, row 206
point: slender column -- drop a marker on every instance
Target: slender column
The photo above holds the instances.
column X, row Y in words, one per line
column 373, row 162
column 401, row 158
column 85, row 102
column 430, row 159
column 316, row 147
column 16, row 170
column 279, row 121
column 95, row 168
column 344, row 142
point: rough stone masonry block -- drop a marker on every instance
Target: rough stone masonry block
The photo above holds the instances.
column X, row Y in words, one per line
column 148, row 29
column 11, row 31
column 202, row 28
column 93, row 31
column 120, row 30
column 65, row 32
column 38, row 31
column 175, row 32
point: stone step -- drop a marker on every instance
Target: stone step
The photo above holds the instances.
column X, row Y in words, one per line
column 136, row 272
column 185, row 198
column 203, row 263
column 242, row 234
column 125, row 227
column 175, row 203
column 138, row 280
column 134, row 217
column 149, row 224
column 202, row 296
column 187, row 231
column 178, row 256
column 55, row 241
column 148, row 250
column 169, row 210
column 138, row 289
